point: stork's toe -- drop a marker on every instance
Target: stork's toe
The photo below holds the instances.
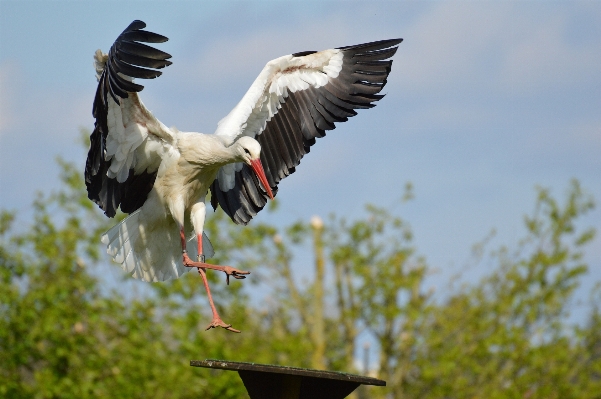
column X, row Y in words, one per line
column 217, row 322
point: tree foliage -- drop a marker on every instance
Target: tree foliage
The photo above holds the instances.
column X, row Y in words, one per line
column 67, row 332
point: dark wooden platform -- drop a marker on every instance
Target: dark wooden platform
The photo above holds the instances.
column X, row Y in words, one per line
column 264, row 381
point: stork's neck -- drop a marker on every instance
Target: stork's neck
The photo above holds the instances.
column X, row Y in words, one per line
column 207, row 150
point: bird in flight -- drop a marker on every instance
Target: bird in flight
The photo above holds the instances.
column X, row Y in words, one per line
column 161, row 176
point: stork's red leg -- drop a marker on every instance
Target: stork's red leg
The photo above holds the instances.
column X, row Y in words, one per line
column 228, row 270
column 216, row 322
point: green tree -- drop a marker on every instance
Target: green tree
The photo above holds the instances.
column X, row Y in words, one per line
column 507, row 336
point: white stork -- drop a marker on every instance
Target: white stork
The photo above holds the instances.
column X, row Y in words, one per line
column 161, row 176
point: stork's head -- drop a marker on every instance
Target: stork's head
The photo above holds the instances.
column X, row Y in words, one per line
column 248, row 150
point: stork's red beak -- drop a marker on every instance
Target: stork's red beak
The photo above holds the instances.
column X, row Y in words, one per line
column 258, row 168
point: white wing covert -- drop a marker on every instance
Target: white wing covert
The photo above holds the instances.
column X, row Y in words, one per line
column 293, row 101
column 128, row 146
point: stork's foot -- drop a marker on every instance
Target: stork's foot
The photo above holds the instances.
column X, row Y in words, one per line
column 228, row 270
column 217, row 322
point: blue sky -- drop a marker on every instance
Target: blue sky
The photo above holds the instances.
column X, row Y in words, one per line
column 485, row 101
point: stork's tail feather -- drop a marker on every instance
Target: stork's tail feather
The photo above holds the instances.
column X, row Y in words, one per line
column 145, row 260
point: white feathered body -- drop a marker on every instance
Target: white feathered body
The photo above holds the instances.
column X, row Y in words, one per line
column 147, row 242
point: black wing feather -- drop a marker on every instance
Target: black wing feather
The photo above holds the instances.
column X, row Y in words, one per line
column 141, row 50
column 304, row 116
column 134, row 71
column 138, row 35
column 132, row 59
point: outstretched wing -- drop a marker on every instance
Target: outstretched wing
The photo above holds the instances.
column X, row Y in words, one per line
column 293, row 101
column 128, row 145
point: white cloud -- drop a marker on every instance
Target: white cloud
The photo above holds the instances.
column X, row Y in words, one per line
column 242, row 58
column 447, row 46
column 464, row 118
column 499, row 46
column 543, row 56
column 41, row 110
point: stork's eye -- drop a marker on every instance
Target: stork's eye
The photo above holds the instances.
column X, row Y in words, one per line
column 246, row 151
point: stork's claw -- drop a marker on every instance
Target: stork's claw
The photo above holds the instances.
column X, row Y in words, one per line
column 220, row 323
column 237, row 274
